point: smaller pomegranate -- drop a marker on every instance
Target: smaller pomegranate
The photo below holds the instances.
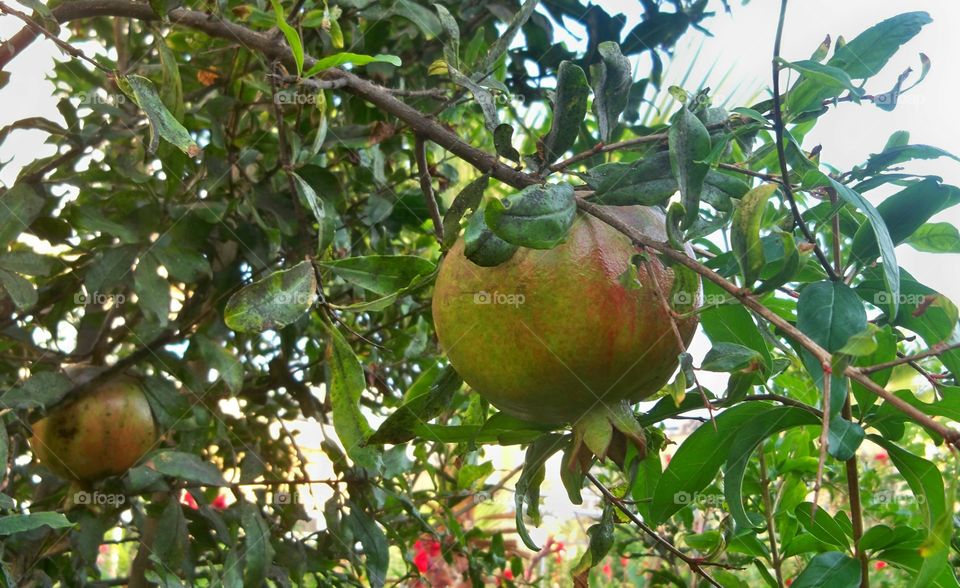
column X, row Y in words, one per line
column 102, row 433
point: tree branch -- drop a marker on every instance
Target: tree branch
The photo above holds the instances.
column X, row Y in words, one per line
column 695, row 564
column 753, row 304
column 781, row 152
column 426, row 186
column 933, row 351
column 421, row 124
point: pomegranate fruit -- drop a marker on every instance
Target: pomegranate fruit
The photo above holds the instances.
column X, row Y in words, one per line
column 102, row 433
column 550, row 335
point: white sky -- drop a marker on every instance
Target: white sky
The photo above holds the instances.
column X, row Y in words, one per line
column 744, row 40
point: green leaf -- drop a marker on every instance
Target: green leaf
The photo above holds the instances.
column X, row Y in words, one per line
column 891, row 273
column 528, row 484
column 903, row 213
column 876, row 537
column 896, row 154
column 21, row 523
column 42, row 389
column 612, row 78
column 730, row 357
column 316, row 205
column 743, row 445
column 450, row 26
column 346, row 383
column 162, row 122
column 344, row 58
column 421, row 16
column 374, row 543
column 830, row 570
column 537, row 217
column 153, row 291
column 222, row 360
column 569, row 109
column 601, row 540
column 185, row 466
column 503, row 142
column 21, row 290
column 923, row 310
column 505, row 38
column 936, row 238
column 273, row 302
column 171, row 86
column 697, row 461
column 821, row 525
column 830, row 313
column 689, row 143
column 21, row 205
column 381, row 274
column 865, row 55
column 745, row 231
column 922, row 476
column 482, row 246
column 468, row 199
column 825, row 75
column 647, row 182
column 731, row 323
column 429, row 395
column 258, row 552
column 843, row 437
column 293, row 38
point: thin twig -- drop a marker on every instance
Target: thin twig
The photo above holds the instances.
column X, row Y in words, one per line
column 781, row 152
column 824, row 436
column 771, row 522
column 856, row 507
column 66, row 47
column 938, row 349
column 665, row 305
column 426, row 185
column 694, row 563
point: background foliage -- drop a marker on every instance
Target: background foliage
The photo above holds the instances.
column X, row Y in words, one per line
column 250, row 235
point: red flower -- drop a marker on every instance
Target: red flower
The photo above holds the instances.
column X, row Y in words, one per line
column 421, row 560
column 789, row 581
column 219, row 503
column 881, row 457
column 508, row 574
column 624, row 561
column 879, row 565
column 607, row 571
column 187, row 500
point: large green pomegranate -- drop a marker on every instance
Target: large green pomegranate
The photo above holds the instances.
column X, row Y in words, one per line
column 102, row 433
column 549, row 335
